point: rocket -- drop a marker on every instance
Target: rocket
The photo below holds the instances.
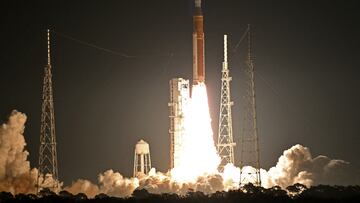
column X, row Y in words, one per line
column 198, row 45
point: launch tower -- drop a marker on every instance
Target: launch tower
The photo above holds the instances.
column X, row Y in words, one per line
column 249, row 143
column 48, row 169
column 225, row 145
column 179, row 96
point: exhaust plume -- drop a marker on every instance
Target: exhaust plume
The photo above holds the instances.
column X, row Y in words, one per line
column 198, row 155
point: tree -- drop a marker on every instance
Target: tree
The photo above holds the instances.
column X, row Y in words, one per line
column 296, row 189
column 65, row 194
column 80, row 196
column 101, row 196
column 140, row 194
column 46, row 192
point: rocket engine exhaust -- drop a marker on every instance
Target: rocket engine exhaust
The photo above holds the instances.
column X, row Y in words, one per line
column 198, row 45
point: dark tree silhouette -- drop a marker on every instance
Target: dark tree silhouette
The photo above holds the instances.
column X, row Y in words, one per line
column 80, row 196
column 65, row 194
column 296, row 193
column 297, row 188
column 141, row 194
column 45, row 192
column 101, row 196
column 5, row 196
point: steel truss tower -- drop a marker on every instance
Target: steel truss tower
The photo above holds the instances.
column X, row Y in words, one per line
column 249, row 136
column 225, row 145
column 48, row 169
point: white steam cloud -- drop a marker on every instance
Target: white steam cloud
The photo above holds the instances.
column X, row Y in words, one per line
column 15, row 174
column 296, row 165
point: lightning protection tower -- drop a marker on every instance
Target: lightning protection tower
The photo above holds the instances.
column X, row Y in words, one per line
column 249, row 136
column 48, row 170
column 225, row 145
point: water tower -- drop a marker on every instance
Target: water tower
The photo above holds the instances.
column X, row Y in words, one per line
column 142, row 161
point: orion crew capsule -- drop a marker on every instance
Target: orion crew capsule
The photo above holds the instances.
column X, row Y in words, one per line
column 198, row 45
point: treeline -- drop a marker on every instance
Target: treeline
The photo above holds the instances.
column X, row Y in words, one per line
column 248, row 193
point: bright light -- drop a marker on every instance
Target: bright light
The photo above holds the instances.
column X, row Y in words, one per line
column 198, row 155
column 231, row 177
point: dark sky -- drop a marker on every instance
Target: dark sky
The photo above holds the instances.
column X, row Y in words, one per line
column 306, row 59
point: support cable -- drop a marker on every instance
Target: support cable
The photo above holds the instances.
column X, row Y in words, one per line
column 95, row 46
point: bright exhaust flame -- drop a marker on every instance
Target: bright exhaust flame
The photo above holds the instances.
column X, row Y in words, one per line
column 198, row 155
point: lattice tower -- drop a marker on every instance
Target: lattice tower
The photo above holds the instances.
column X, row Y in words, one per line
column 48, row 168
column 249, row 135
column 225, row 145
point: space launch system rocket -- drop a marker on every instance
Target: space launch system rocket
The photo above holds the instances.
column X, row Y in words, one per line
column 198, row 45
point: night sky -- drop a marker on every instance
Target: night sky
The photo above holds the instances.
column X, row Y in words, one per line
column 306, row 60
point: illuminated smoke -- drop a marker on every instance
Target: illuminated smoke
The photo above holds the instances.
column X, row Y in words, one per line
column 198, row 155
column 15, row 174
column 113, row 183
column 296, row 165
column 83, row 186
column 158, row 182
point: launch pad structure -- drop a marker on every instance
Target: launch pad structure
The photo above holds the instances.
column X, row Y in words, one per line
column 48, row 167
column 225, row 145
column 179, row 97
column 249, row 139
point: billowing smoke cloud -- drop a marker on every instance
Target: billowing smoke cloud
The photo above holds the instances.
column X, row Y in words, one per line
column 83, row 186
column 114, row 184
column 296, row 165
column 15, row 174
column 158, row 182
